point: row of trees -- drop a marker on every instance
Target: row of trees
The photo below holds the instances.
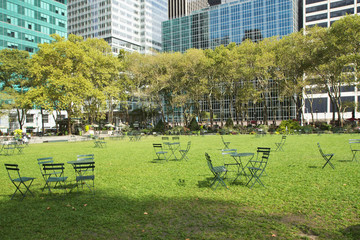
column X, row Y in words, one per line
column 85, row 79
column 325, row 58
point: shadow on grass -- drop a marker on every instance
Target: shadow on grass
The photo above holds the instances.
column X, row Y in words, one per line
column 352, row 232
column 80, row 216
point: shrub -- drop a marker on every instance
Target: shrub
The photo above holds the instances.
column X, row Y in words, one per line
column 87, row 128
column 193, row 125
column 229, row 123
column 160, row 126
column 288, row 126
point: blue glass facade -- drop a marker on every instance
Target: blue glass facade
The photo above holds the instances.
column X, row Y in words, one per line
column 231, row 22
column 26, row 23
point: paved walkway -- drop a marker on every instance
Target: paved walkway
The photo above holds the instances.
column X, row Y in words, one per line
column 71, row 138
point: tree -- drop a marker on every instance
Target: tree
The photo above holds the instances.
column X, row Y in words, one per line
column 14, row 76
column 59, row 72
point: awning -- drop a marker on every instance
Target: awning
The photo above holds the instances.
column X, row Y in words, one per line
column 29, row 127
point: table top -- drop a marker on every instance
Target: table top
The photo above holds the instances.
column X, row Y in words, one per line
column 242, row 154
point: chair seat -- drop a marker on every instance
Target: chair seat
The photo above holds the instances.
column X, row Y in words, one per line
column 80, row 178
column 56, row 179
column 220, row 169
column 23, row 179
column 161, row 152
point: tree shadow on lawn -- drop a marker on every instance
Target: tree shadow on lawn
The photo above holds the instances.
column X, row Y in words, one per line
column 82, row 216
column 119, row 217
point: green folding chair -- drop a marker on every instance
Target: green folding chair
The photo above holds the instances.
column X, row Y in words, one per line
column 45, row 176
column 257, row 167
column 84, row 172
column 184, row 152
column 327, row 157
column 49, row 169
column 9, row 149
column 279, row 145
column 160, row 153
column 226, row 144
column 219, row 173
column 18, row 181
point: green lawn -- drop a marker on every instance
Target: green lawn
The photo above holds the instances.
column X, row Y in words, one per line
column 138, row 199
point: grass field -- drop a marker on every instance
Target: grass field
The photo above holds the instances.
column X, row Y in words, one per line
column 138, row 199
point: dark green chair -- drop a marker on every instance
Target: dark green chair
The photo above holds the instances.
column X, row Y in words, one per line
column 279, row 145
column 59, row 179
column 45, row 176
column 226, row 144
column 184, row 152
column 327, row 157
column 257, row 167
column 160, row 153
column 219, row 172
column 18, row 181
column 355, row 147
column 84, row 172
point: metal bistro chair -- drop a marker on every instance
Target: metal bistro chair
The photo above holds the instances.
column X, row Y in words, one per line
column 184, row 152
column 257, row 166
column 219, row 172
column 84, row 172
column 41, row 162
column 279, row 145
column 160, row 153
column 16, row 179
column 226, row 144
column 354, row 147
column 60, row 179
column 327, row 157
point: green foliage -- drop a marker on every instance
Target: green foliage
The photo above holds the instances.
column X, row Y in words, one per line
column 325, row 127
column 18, row 133
column 288, row 126
column 160, row 126
column 229, row 123
column 87, row 128
column 193, row 125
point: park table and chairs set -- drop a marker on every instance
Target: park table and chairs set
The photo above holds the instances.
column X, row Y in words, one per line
column 168, row 149
column 54, row 175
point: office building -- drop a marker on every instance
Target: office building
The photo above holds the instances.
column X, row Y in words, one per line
column 231, row 22
column 130, row 25
column 324, row 12
column 180, row 8
column 235, row 21
column 26, row 23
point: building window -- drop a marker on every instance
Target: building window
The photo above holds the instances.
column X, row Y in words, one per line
column 29, row 49
column 45, row 118
column 12, row 45
column 29, row 118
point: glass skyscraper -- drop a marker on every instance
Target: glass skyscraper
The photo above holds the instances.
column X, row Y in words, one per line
column 235, row 21
column 131, row 25
column 231, row 22
column 25, row 23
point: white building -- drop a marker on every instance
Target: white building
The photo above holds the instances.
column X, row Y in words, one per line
column 324, row 13
column 130, row 25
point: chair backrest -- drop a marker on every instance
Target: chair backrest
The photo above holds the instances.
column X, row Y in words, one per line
column 283, row 139
column 353, row 143
column 188, row 146
column 320, row 150
column 175, row 138
column 157, row 146
column 165, row 138
column 42, row 161
column 52, row 167
column 262, row 158
column 13, row 171
column 208, row 160
column 84, row 168
column 85, row 157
